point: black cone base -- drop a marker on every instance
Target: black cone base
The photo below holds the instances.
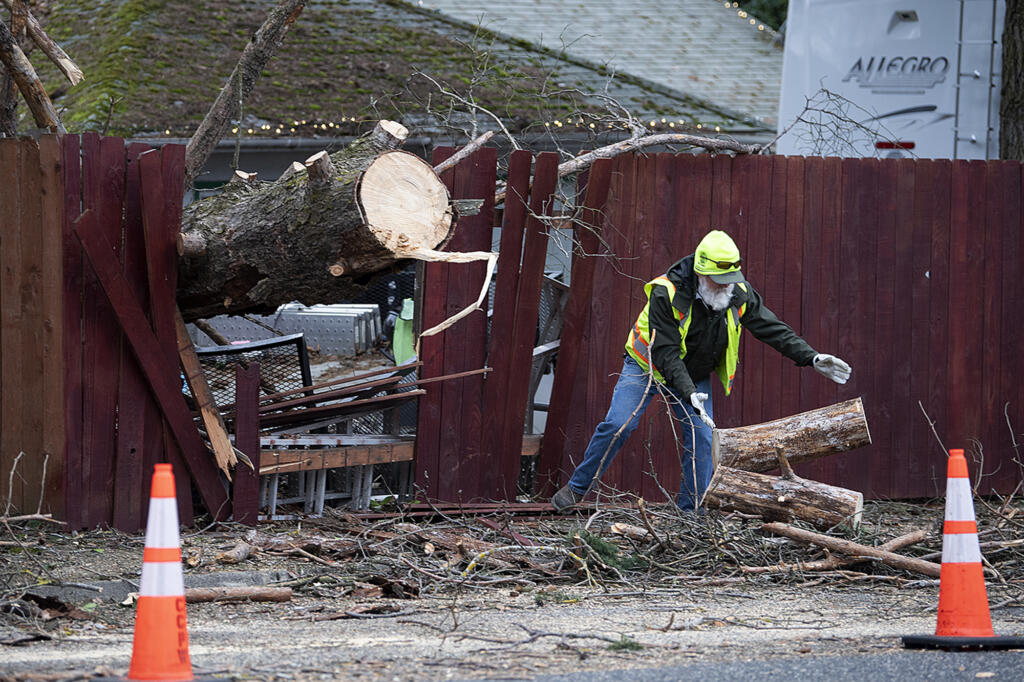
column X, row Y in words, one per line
column 962, row 643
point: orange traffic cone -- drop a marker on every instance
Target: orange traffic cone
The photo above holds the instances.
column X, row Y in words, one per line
column 160, row 649
column 964, row 621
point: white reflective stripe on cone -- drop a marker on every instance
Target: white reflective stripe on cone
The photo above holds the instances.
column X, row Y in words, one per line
column 162, row 579
column 960, row 548
column 959, row 500
column 162, row 524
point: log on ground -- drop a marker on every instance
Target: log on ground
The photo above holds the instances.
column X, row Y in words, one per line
column 803, row 437
column 316, row 235
column 855, row 549
column 780, row 498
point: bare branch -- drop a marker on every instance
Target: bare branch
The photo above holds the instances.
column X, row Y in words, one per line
column 48, row 46
column 584, row 161
column 20, row 69
column 463, row 153
column 240, row 83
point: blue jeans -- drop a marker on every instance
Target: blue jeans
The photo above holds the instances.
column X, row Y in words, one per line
column 630, row 391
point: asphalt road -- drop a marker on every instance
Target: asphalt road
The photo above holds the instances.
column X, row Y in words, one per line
column 905, row 666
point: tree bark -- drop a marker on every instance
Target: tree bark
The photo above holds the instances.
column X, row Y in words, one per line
column 51, row 49
column 31, row 88
column 195, row 595
column 803, row 437
column 316, row 235
column 836, row 561
column 854, row 549
column 778, row 498
column 1011, row 102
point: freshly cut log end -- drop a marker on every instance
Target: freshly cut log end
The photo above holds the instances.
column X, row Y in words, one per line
column 389, row 134
column 320, row 167
column 318, row 234
column 404, row 203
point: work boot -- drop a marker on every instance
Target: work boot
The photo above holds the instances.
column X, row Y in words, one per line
column 566, row 497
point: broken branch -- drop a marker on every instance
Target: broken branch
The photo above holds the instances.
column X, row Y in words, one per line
column 854, row 549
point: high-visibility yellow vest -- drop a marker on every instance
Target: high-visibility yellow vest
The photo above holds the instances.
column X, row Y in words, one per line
column 639, row 341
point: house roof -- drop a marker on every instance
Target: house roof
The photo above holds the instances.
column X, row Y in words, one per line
column 154, row 68
column 710, row 50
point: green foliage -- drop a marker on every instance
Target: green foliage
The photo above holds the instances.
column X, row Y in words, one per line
column 626, row 644
column 610, row 554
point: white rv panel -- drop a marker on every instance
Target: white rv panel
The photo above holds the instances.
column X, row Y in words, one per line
column 892, row 78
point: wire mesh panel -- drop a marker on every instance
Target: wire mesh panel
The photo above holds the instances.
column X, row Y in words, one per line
column 284, row 366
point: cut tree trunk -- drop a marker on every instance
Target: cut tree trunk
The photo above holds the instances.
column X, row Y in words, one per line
column 803, row 437
column 781, row 498
column 316, row 235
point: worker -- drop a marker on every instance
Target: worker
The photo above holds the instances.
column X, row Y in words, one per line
column 689, row 328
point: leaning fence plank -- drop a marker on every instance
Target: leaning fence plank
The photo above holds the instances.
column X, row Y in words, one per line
column 135, row 408
column 71, row 317
column 245, row 484
column 52, row 333
column 570, row 355
column 10, row 321
column 545, row 180
column 505, row 472
column 166, row 385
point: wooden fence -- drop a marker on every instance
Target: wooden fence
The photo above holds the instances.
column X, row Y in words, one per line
column 908, row 269
column 91, row 393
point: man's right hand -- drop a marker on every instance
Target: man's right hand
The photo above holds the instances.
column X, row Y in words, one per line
column 697, row 400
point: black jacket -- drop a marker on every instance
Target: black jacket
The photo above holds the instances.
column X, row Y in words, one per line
column 707, row 337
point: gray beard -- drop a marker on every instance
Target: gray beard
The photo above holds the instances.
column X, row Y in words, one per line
column 716, row 299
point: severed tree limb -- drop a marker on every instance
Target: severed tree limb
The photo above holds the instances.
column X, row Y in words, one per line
column 51, row 49
column 451, row 161
column 854, row 549
column 31, row 88
column 835, row 561
column 236, row 594
column 257, row 53
column 583, row 161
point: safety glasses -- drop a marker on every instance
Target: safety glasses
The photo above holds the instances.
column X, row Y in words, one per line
column 722, row 264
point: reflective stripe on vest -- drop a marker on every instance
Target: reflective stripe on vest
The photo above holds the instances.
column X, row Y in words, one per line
column 639, row 341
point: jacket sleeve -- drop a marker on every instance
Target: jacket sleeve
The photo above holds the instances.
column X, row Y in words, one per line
column 665, row 348
column 766, row 327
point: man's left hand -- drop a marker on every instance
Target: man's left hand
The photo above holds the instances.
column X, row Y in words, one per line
column 832, row 367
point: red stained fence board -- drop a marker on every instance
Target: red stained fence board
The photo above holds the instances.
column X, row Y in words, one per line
column 499, row 353
column 884, row 263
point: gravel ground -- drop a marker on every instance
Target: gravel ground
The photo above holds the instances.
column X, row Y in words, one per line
column 339, row 625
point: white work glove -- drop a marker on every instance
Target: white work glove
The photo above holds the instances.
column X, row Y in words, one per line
column 832, row 367
column 697, row 400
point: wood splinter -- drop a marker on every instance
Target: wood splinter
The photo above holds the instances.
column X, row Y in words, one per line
column 240, row 176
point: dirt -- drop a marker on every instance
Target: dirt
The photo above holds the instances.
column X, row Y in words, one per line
column 346, row 620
